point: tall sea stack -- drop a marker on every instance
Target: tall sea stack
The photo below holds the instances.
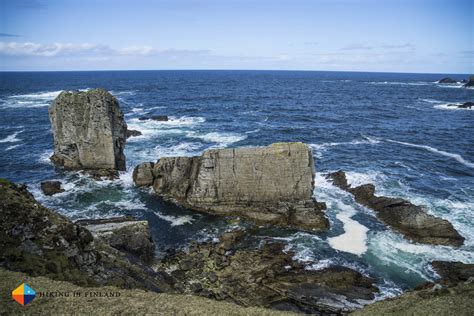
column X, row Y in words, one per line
column 89, row 132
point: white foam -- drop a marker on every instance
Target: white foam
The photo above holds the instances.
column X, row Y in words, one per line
column 175, row 220
column 368, row 140
column 38, row 96
column 418, row 83
column 221, row 139
column 390, row 247
column 44, row 157
column 182, row 149
column 456, row 157
column 11, row 138
column 355, row 178
column 12, row 147
column 128, row 205
column 354, row 238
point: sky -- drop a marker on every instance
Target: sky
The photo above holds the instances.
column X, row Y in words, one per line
column 427, row 36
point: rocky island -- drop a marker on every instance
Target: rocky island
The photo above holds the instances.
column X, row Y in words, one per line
column 89, row 132
column 272, row 184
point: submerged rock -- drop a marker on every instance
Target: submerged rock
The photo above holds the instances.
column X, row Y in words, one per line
column 265, row 276
column 51, row 187
column 133, row 133
column 447, row 80
column 40, row 242
column 89, row 131
column 123, row 233
column 272, row 184
column 410, row 220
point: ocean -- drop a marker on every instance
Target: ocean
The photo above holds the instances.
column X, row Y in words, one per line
column 393, row 130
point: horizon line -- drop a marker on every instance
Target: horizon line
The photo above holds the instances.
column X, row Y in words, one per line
column 224, row 69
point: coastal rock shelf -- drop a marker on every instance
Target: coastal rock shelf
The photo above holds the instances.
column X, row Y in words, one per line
column 410, row 220
column 272, row 184
column 89, row 131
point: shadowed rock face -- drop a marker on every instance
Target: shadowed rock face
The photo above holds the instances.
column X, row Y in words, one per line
column 470, row 83
column 89, row 131
column 38, row 241
column 272, row 184
column 411, row 220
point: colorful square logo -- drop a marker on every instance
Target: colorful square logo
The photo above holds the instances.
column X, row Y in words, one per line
column 23, row 294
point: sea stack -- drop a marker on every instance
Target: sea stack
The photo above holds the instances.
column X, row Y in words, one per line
column 272, row 184
column 89, row 132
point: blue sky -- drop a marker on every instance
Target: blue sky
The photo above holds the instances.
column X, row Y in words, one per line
column 346, row 35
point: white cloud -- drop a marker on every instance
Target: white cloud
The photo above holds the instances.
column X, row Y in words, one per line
column 49, row 50
column 82, row 49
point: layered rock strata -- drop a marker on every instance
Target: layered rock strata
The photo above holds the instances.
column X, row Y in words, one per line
column 272, row 184
column 410, row 220
column 89, row 131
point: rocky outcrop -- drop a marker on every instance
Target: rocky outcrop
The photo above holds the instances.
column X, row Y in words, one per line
column 265, row 276
column 410, row 220
column 89, row 131
column 272, row 184
column 160, row 118
column 143, row 174
column 465, row 105
column 133, row 133
column 123, row 233
column 38, row 241
column 51, row 187
column 453, row 272
column 447, row 80
column 470, row 82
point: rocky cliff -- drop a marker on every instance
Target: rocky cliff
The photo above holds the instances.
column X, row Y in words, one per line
column 89, row 131
column 272, row 184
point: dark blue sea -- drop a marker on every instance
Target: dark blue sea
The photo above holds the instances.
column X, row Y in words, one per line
column 393, row 130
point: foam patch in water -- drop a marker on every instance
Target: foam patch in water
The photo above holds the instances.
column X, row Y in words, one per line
column 354, row 238
column 175, row 220
column 11, row 138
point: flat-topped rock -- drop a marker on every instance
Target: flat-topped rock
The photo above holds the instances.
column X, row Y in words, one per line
column 123, row 233
column 410, row 220
column 89, row 131
column 51, row 187
column 272, row 184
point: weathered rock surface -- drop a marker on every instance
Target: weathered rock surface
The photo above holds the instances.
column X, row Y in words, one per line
column 470, row 82
column 272, row 184
column 38, row 241
column 89, row 131
column 123, row 233
column 133, row 133
column 410, row 220
column 51, row 187
column 264, row 276
column 447, row 80
column 143, row 174
column 453, row 272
